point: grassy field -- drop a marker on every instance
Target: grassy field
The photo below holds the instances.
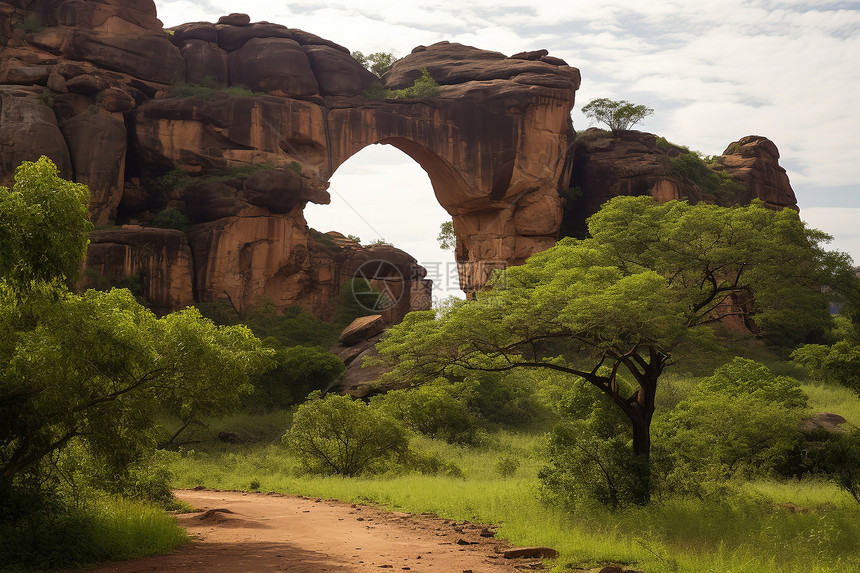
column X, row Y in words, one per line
column 764, row 526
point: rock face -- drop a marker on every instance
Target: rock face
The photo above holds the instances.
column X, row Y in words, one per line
column 637, row 163
column 237, row 125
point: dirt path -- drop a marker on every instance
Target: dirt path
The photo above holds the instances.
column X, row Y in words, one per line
column 260, row 532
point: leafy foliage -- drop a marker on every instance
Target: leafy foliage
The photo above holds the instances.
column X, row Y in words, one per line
column 40, row 199
column 744, row 416
column 447, row 239
column 377, row 62
column 716, row 183
column 618, row 115
column 83, row 375
column 170, row 218
column 423, row 87
column 838, row 363
column 300, row 370
column 644, row 283
column 439, row 410
column 339, row 435
column 590, row 458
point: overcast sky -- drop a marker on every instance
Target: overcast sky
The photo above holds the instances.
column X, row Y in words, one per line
column 713, row 72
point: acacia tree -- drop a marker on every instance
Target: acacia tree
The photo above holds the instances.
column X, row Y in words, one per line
column 618, row 115
column 650, row 278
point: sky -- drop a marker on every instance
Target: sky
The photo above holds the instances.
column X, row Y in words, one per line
column 713, row 72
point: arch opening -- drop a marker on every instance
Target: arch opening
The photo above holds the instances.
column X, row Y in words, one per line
column 384, row 193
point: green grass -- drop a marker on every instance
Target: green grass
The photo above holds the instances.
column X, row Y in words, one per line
column 836, row 399
column 751, row 531
column 106, row 529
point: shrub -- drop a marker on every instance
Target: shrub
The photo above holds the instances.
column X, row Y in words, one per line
column 507, row 465
column 171, row 218
column 439, row 410
column 841, row 461
column 423, row 87
column 718, row 184
column 747, row 420
column 339, row 435
column 300, row 371
column 590, row 458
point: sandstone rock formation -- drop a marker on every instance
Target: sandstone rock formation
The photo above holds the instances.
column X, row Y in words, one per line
column 637, row 163
column 237, row 125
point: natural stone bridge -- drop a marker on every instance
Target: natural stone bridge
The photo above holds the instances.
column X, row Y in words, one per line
column 94, row 86
column 151, row 119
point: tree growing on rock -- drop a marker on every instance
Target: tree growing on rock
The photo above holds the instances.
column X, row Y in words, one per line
column 613, row 308
column 377, row 62
column 619, row 115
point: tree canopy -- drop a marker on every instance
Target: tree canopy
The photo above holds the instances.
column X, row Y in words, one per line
column 619, row 115
column 628, row 297
column 89, row 371
column 43, row 226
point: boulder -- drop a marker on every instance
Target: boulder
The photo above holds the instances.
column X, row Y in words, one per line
column 231, row 38
column 183, row 33
column 754, row 161
column 148, row 57
column 205, row 63
column 274, row 65
column 212, row 200
column 28, row 130
column 338, row 74
column 530, row 553
column 281, row 190
column 823, row 421
column 361, row 329
column 235, row 19
column 97, row 142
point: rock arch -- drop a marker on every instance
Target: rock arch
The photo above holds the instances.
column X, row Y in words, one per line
column 496, row 142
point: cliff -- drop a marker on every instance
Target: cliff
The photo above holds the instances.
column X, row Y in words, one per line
column 227, row 130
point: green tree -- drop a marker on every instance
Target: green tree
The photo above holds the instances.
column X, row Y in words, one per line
column 837, row 363
column 447, row 238
column 87, row 373
column 377, row 62
column 43, row 227
column 618, row 115
column 650, row 279
column 300, row 371
column 339, row 435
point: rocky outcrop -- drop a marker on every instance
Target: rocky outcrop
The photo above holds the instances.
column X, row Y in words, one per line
column 754, row 161
column 637, row 163
column 238, row 125
column 356, row 343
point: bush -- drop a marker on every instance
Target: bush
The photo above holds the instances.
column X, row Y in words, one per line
column 439, row 410
column 590, row 457
column 339, row 435
column 718, row 184
column 747, row 420
column 841, row 461
column 171, row 218
column 588, row 466
column 300, row 371
column 423, row 87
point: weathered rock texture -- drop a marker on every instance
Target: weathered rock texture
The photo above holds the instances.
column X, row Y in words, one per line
column 238, row 125
column 636, row 163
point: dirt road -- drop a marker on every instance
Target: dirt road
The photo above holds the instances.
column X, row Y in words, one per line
column 238, row 532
